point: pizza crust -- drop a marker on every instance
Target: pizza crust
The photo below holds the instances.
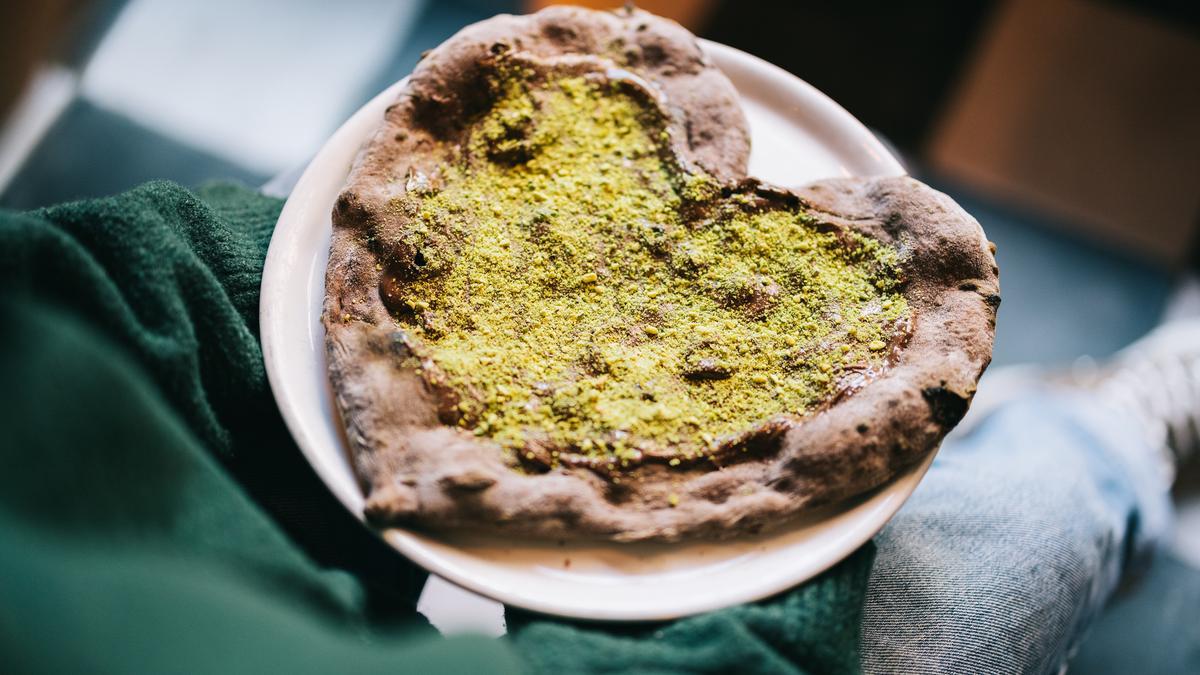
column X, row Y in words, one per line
column 417, row 470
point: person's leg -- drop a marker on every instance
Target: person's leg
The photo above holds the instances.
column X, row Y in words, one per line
column 1014, row 540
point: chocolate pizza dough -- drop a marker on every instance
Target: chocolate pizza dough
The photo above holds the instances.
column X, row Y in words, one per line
column 729, row 353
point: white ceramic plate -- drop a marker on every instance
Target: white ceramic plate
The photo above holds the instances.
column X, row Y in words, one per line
column 799, row 135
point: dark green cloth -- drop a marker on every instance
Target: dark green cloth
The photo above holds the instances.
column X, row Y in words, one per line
column 155, row 516
column 811, row 629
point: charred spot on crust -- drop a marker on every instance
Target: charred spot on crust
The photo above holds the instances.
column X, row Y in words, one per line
column 945, row 407
column 654, row 55
column 892, row 223
column 350, row 209
column 559, row 32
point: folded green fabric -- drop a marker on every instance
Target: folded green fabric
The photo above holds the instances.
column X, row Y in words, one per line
column 155, row 516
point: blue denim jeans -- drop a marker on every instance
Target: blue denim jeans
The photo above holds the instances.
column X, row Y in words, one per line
column 1014, row 541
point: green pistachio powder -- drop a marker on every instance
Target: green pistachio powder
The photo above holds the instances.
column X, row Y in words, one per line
column 565, row 291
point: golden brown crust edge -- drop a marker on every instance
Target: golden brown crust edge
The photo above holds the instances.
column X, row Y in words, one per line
column 417, row 471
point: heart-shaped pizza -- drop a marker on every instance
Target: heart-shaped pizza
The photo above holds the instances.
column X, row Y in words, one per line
column 556, row 306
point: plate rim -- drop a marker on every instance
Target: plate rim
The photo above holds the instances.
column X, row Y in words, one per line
column 280, row 260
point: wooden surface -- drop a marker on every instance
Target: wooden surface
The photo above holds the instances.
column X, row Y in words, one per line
column 1086, row 111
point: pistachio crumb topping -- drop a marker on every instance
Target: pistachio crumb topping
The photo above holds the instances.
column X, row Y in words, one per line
column 584, row 292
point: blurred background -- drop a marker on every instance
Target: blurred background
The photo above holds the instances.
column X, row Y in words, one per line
column 1069, row 128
